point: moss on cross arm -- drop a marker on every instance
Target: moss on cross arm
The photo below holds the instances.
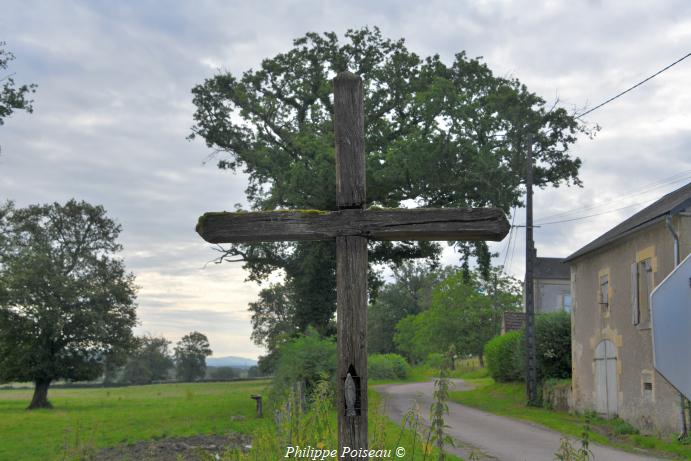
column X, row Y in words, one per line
column 313, row 212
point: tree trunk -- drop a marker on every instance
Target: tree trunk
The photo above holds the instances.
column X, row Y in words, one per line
column 482, row 360
column 40, row 399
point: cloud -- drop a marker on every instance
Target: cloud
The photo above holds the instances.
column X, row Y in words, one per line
column 113, row 109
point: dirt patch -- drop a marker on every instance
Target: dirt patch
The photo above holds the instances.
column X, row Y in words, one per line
column 194, row 448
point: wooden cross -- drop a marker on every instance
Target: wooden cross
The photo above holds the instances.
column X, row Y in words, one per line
column 351, row 226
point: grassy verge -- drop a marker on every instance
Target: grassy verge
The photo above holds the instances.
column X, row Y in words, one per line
column 105, row 417
column 316, row 429
column 508, row 399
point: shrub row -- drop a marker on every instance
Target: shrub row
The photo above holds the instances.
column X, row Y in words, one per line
column 309, row 358
column 505, row 355
column 387, row 366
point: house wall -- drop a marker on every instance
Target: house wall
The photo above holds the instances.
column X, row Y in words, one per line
column 549, row 293
column 650, row 410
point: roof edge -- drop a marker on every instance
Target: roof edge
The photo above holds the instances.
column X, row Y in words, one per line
column 576, row 255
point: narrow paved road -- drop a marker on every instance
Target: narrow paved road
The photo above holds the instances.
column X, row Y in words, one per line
column 490, row 436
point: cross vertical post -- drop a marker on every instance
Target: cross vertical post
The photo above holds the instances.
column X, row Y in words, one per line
column 351, row 267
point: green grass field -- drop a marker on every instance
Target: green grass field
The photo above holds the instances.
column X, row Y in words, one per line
column 87, row 419
column 101, row 417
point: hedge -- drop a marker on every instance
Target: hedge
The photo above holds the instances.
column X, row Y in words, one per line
column 505, row 355
column 387, row 366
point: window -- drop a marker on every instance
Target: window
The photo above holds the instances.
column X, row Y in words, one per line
column 604, row 293
column 566, row 302
column 648, row 391
column 647, row 386
column 641, row 286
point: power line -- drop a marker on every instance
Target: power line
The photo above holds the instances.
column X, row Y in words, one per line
column 598, row 214
column 664, row 182
column 635, row 86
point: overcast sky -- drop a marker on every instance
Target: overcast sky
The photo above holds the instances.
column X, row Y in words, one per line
column 113, row 109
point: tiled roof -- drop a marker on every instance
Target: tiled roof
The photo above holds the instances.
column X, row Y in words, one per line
column 551, row 268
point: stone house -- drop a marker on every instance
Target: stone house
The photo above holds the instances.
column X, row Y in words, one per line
column 611, row 281
column 551, row 289
column 551, row 285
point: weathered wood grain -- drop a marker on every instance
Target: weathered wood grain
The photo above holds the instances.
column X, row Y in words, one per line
column 351, row 321
column 396, row 224
column 351, row 260
column 349, row 130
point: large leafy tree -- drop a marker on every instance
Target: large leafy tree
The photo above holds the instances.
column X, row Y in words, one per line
column 66, row 301
column 12, row 96
column 409, row 294
column 190, row 356
column 465, row 312
column 440, row 134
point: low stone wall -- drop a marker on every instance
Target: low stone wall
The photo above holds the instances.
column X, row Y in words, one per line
column 556, row 394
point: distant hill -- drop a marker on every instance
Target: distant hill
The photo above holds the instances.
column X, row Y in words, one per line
column 230, row 361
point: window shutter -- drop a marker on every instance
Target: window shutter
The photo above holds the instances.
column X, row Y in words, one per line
column 635, row 313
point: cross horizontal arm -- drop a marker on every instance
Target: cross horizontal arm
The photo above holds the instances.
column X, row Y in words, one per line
column 385, row 224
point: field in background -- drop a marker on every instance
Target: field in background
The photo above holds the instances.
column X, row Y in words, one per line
column 101, row 417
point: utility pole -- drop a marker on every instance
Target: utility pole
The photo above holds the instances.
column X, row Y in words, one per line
column 530, row 355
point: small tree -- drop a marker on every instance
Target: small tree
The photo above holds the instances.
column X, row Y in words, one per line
column 465, row 312
column 307, row 359
column 190, row 356
column 150, row 362
column 410, row 294
column 12, row 97
column 66, row 302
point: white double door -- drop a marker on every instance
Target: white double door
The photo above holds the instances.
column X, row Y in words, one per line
column 606, row 379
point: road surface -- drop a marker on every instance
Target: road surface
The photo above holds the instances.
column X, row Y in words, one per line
column 491, row 437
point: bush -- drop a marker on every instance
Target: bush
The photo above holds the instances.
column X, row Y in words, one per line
column 553, row 344
column 387, row 366
column 435, row 360
column 503, row 357
column 308, row 358
column 621, row 427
